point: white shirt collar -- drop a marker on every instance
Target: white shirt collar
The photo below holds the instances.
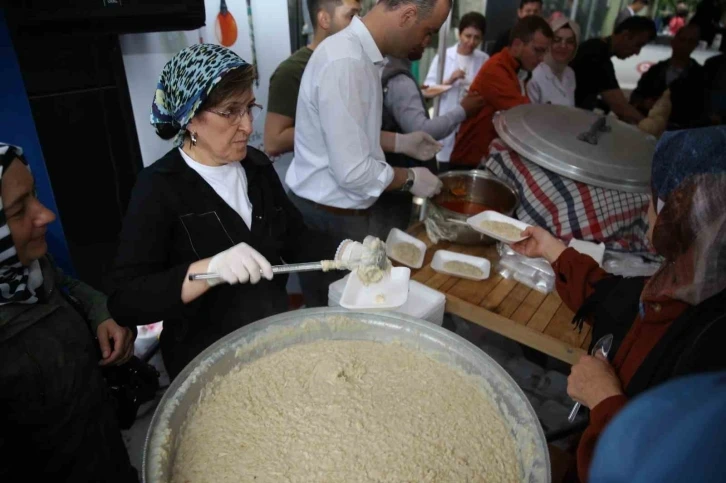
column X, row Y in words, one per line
column 550, row 75
column 218, row 171
column 632, row 12
column 370, row 48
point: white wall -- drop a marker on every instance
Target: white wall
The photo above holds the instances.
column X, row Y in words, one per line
column 145, row 55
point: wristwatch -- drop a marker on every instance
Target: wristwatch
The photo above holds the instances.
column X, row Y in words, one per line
column 409, row 181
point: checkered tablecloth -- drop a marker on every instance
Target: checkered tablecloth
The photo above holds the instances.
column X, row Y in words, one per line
column 570, row 209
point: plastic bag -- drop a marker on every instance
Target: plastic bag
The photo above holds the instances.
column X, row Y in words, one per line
column 535, row 273
column 631, row 264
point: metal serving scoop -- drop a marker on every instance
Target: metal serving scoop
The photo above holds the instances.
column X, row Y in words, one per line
column 373, row 258
column 291, row 268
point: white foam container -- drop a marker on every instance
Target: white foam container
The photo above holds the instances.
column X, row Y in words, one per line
column 443, row 256
column 476, row 220
column 393, row 289
column 423, row 302
column 399, row 236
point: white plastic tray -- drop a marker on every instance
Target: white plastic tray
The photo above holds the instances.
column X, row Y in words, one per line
column 423, row 302
column 435, row 90
column 476, row 220
column 398, row 236
column 443, row 256
column 393, row 288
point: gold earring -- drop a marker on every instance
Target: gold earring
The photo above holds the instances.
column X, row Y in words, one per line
column 193, row 135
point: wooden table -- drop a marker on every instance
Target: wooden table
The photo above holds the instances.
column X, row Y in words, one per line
column 537, row 320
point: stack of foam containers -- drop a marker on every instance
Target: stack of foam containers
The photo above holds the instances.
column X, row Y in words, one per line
column 423, row 302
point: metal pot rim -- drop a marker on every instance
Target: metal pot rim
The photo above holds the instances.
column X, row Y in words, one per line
column 476, row 173
column 400, row 327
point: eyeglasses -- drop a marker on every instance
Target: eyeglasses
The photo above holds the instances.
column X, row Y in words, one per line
column 566, row 41
column 234, row 116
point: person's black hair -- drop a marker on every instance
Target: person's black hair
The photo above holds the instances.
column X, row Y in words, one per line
column 166, row 131
column 473, row 19
column 314, row 6
column 522, row 3
column 526, row 27
column 637, row 25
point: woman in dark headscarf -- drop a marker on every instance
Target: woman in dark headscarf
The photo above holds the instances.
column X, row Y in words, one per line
column 211, row 204
column 57, row 419
column 666, row 325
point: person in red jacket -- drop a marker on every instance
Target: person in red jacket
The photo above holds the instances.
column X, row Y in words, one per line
column 501, row 83
column 671, row 324
column 679, row 19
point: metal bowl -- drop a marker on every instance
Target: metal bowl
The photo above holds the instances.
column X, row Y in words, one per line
column 480, row 187
column 303, row 326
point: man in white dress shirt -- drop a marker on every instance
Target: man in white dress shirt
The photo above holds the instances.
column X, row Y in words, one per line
column 339, row 169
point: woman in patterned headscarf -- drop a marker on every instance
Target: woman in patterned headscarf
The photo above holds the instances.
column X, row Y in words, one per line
column 55, row 409
column 211, row 204
column 672, row 323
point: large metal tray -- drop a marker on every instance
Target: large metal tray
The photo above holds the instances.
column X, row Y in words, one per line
column 278, row 332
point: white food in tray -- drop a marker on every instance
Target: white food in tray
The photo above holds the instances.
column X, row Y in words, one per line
column 442, row 257
column 395, row 237
column 393, row 289
column 482, row 221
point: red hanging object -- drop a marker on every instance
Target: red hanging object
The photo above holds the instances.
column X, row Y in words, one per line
column 226, row 26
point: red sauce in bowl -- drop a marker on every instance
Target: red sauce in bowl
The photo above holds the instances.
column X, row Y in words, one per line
column 464, row 207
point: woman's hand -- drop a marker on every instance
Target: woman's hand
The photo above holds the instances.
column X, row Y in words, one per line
column 539, row 244
column 418, row 145
column 116, row 342
column 455, row 76
column 592, row 380
column 240, row 264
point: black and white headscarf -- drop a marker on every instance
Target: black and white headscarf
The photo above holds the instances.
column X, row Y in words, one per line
column 17, row 282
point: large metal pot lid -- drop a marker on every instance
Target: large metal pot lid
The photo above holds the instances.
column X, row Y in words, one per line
column 549, row 136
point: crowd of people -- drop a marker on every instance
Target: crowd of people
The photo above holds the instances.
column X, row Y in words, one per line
column 357, row 122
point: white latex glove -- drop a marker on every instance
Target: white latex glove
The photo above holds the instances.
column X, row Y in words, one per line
column 425, row 183
column 417, row 145
column 240, row 264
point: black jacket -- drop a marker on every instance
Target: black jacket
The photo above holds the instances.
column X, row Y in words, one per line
column 56, row 410
column 688, row 93
column 174, row 219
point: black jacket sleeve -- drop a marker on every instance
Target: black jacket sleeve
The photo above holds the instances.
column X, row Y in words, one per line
column 649, row 86
column 146, row 286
